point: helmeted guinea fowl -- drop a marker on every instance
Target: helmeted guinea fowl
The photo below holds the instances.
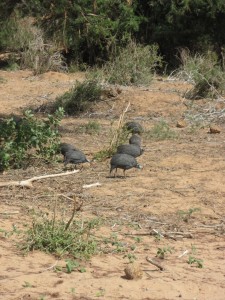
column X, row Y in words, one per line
column 135, row 139
column 130, row 149
column 134, row 127
column 65, row 147
column 75, row 157
column 123, row 161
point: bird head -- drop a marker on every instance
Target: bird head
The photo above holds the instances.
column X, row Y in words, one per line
column 139, row 167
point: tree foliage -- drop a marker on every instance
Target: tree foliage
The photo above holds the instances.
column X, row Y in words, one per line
column 91, row 31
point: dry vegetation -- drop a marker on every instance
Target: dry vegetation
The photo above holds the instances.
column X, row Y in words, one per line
column 167, row 218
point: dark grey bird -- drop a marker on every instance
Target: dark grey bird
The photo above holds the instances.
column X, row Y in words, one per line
column 135, row 139
column 74, row 157
column 123, row 161
column 64, row 147
column 134, row 127
column 130, row 149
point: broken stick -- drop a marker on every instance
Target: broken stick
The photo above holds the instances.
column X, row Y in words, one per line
column 155, row 263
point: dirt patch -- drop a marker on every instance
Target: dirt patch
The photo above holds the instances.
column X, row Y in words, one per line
column 180, row 190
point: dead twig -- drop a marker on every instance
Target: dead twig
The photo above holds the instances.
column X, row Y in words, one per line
column 77, row 206
column 155, row 263
column 182, row 254
column 87, row 186
column 49, row 268
column 28, row 182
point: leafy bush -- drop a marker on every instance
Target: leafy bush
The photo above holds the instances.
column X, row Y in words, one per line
column 79, row 98
column 54, row 236
column 134, row 65
column 90, row 31
column 27, row 138
column 204, row 71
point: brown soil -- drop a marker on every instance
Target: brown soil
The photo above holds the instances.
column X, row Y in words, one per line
column 177, row 175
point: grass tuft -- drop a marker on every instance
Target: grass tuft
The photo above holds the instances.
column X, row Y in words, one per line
column 161, row 131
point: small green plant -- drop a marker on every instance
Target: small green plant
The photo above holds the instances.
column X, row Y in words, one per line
column 193, row 260
column 115, row 245
column 9, row 233
column 3, row 80
column 27, row 284
column 186, row 215
column 82, row 270
column 80, row 97
column 100, row 293
column 161, row 252
column 137, row 239
column 133, row 65
column 131, row 257
column 92, row 127
column 161, row 131
column 72, row 291
column 28, row 138
column 71, row 265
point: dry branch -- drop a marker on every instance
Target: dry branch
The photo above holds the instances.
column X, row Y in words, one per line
column 28, row 182
column 184, row 253
column 155, row 263
column 77, row 206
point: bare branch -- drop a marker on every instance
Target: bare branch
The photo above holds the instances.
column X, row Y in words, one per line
column 28, row 182
column 155, row 263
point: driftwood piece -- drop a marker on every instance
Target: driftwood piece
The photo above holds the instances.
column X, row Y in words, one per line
column 28, row 182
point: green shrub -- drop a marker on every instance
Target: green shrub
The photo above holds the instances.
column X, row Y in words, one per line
column 28, row 138
column 134, row 65
column 56, row 237
column 79, row 98
column 204, row 71
column 196, row 261
column 161, row 131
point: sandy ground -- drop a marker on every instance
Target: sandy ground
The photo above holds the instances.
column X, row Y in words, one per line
column 178, row 175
